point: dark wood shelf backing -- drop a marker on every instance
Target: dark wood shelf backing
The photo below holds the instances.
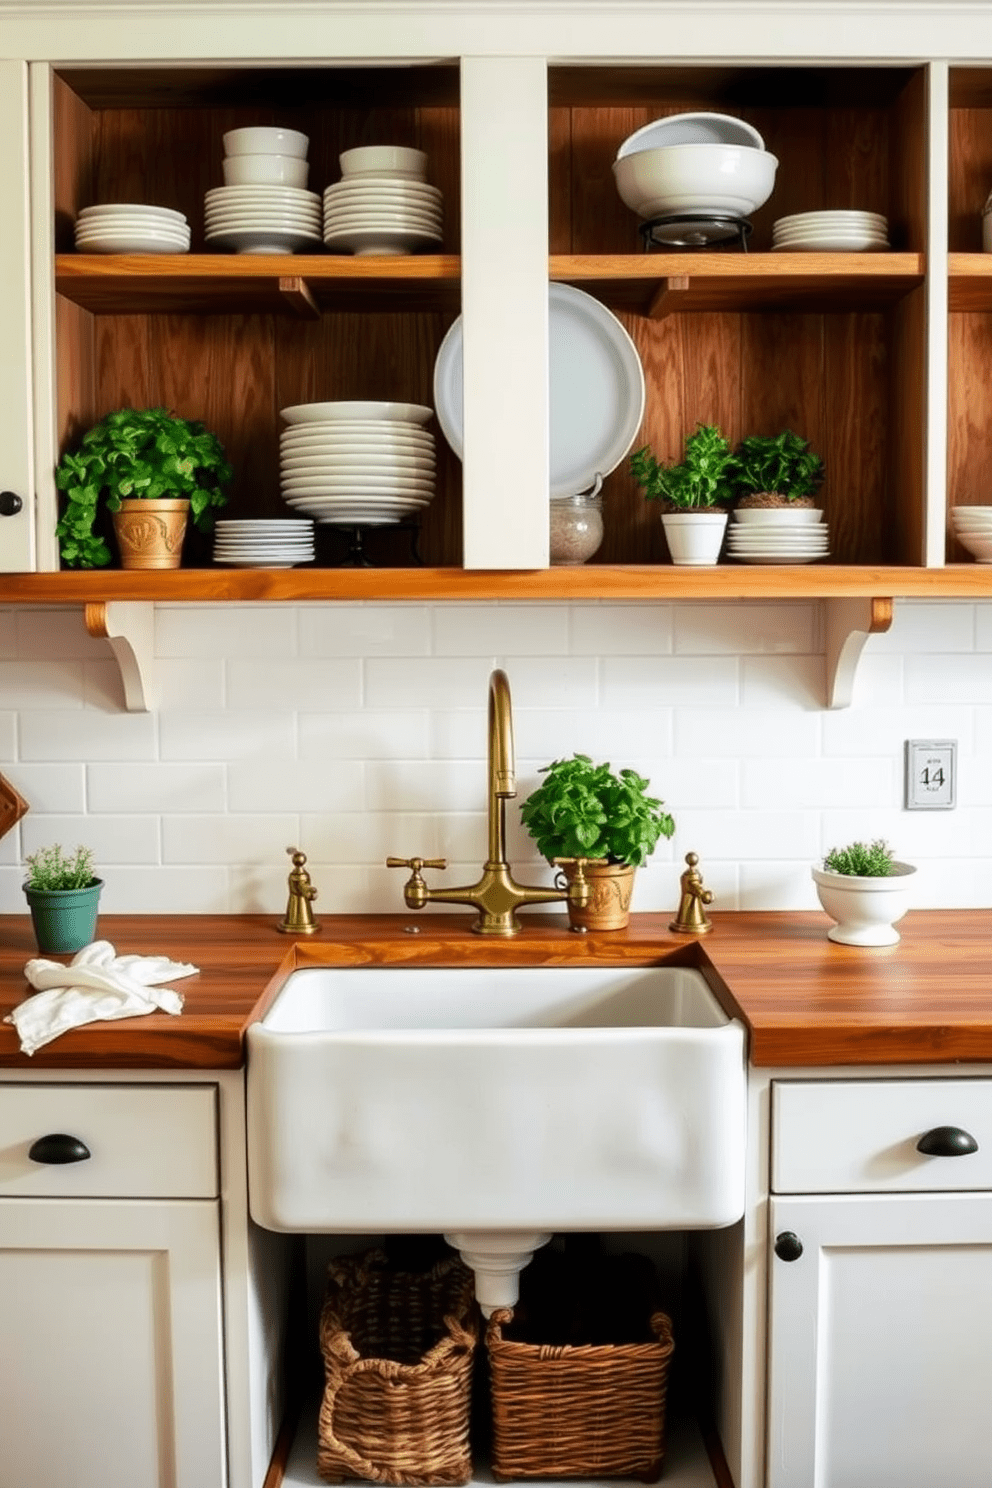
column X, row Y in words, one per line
column 631, row 582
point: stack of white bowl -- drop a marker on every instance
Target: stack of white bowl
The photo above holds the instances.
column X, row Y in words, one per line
column 279, row 542
column 972, row 526
column 130, row 227
column 701, row 164
column 778, row 535
column 263, row 206
column 382, row 204
column 830, row 232
column 357, row 464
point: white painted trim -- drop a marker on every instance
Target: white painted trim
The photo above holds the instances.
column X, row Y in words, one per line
column 935, row 379
column 46, row 441
column 16, row 455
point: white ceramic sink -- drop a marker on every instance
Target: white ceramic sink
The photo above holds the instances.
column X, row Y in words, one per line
column 549, row 1098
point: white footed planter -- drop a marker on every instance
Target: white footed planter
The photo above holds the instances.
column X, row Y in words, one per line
column 866, row 909
column 694, row 537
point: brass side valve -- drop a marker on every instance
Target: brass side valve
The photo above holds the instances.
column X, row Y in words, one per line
column 691, row 918
column 578, row 884
column 415, row 889
column 299, row 916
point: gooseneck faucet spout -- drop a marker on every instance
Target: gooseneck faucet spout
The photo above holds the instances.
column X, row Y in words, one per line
column 496, row 896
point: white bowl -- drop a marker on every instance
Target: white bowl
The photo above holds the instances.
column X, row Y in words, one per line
column 384, row 160
column 265, row 170
column 777, row 516
column 692, row 129
column 727, row 180
column 866, row 909
column 262, row 140
column 978, row 547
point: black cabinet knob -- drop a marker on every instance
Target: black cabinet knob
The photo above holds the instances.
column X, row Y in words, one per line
column 58, row 1148
column 10, row 503
column 788, row 1246
column 947, row 1141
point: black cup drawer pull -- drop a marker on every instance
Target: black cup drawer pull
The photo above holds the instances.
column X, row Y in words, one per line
column 58, row 1148
column 947, row 1141
column 788, row 1246
column 10, row 503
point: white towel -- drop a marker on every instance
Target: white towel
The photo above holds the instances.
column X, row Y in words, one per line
column 97, row 984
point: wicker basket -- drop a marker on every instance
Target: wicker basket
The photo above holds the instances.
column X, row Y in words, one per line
column 398, row 1351
column 582, row 1409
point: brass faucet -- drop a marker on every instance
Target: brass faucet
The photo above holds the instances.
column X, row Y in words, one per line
column 496, row 896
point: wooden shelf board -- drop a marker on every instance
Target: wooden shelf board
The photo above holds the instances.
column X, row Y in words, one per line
column 970, row 281
column 739, row 281
column 658, row 582
column 218, row 283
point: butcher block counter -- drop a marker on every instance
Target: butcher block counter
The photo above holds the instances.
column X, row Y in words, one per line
column 804, row 1000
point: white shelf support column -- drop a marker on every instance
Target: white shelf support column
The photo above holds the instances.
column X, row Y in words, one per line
column 130, row 629
column 849, row 623
column 504, row 143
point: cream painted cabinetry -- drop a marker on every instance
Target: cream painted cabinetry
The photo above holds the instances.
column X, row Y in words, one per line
column 17, row 517
column 880, row 1307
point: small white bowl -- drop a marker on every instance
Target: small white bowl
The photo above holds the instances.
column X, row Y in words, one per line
column 722, row 180
column 866, row 909
column 978, row 547
column 259, row 139
column 692, row 129
column 265, row 170
column 778, row 516
column 384, row 160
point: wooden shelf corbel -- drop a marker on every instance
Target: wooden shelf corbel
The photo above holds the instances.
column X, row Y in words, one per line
column 298, row 296
column 849, row 623
column 129, row 626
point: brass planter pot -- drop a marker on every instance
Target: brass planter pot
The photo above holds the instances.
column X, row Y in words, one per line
column 150, row 532
column 610, row 888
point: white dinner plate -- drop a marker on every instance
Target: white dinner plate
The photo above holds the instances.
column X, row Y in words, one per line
column 355, row 450
column 261, row 240
column 381, row 433
column 319, row 504
column 261, row 195
column 596, row 390
column 130, row 243
column 291, row 221
column 369, row 242
column 772, row 558
column 370, row 414
column 129, row 209
column 831, row 245
column 381, row 217
column 829, row 218
column 804, row 234
column 358, row 486
column 383, row 190
column 347, row 469
column 263, row 562
column 133, row 224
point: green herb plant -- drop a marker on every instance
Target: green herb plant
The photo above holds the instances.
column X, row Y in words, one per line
column 861, row 860
column 50, row 868
column 136, row 453
column 783, row 464
column 584, row 810
column 702, row 480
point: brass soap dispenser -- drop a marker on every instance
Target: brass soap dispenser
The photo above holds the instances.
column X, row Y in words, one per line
column 299, row 916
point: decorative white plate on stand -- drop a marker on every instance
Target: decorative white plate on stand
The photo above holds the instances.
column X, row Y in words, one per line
column 596, row 392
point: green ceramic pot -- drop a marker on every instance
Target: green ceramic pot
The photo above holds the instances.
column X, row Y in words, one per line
column 64, row 919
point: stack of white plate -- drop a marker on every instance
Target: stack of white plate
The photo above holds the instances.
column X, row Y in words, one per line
column 830, row 232
column 382, row 204
column 972, row 527
column 778, row 536
column 129, row 227
column 357, row 464
column 280, row 542
column 262, row 219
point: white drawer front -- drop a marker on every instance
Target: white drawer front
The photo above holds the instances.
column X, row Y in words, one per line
column 145, row 1141
column 860, row 1136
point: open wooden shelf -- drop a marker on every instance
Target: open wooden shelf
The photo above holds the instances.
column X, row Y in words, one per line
column 970, row 281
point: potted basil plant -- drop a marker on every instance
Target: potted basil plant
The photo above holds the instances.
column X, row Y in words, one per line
column 778, row 477
column 865, row 889
column 696, row 493
column 63, row 895
column 585, row 810
column 151, row 469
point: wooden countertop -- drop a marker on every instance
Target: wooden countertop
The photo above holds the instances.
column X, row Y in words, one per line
column 804, row 1000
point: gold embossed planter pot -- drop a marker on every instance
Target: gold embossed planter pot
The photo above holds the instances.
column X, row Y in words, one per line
column 610, row 888
column 150, row 532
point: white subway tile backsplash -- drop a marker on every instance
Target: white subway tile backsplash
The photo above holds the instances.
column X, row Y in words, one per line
column 163, row 788
column 49, row 788
column 880, row 678
column 946, row 678
column 8, row 735
column 740, row 733
column 41, row 684
column 866, row 731
column 9, row 622
column 43, row 632
column 622, row 629
column 926, row 626
column 396, row 734
column 783, row 682
column 424, row 785
column 427, row 682
column 88, row 736
column 117, row 842
column 734, row 630
column 358, row 837
column 612, row 734
column 310, row 684
column 501, row 630
column 747, row 836
column 820, row 783
column 230, row 631
column 165, row 890
column 364, row 630
column 259, row 838
column 228, row 735
column 537, row 681
column 275, row 784
column 653, row 682
column 182, row 684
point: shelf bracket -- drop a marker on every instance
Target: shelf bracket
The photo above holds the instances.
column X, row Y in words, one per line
column 298, row 297
column 130, row 629
column 667, row 296
column 849, row 624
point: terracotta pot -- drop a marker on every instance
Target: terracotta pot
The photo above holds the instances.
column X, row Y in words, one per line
column 610, row 888
column 150, row 532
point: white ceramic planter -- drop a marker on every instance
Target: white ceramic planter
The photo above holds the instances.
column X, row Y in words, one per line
column 694, row 537
column 866, row 909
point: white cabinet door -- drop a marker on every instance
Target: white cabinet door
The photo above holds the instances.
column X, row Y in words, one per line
column 16, row 440
column 111, row 1347
column 880, row 1364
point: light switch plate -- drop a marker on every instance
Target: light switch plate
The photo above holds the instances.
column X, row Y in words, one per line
column 931, row 774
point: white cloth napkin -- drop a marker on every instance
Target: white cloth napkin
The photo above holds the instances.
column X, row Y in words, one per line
column 97, row 984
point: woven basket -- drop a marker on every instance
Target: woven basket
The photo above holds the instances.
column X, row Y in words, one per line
column 579, row 1409
column 398, row 1351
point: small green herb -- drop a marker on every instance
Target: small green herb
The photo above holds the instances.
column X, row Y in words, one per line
column 51, row 868
column 704, row 478
column 861, row 860
column 136, row 452
column 582, row 810
column 780, row 463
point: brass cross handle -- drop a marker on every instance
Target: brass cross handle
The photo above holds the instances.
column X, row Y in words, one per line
column 578, row 887
column 415, row 889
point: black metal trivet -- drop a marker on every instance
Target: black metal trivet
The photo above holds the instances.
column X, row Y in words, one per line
column 693, row 230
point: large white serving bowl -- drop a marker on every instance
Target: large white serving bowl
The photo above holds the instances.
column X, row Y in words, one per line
column 728, row 180
column 692, row 129
column 565, row 1098
column 384, row 160
column 265, row 140
column 265, row 170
